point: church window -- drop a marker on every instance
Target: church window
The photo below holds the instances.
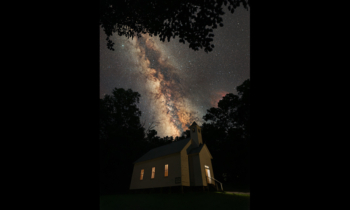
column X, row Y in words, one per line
column 141, row 177
column 153, row 172
column 166, row 170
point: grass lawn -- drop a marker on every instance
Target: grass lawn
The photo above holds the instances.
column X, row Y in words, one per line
column 189, row 200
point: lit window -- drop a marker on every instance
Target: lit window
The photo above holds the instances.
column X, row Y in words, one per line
column 166, row 170
column 153, row 172
column 141, row 177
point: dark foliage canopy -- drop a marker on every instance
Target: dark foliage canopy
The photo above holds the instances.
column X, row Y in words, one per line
column 119, row 115
column 190, row 20
column 233, row 111
column 121, row 138
column 227, row 134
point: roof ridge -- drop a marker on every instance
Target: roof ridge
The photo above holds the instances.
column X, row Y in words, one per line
column 195, row 150
column 174, row 142
column 164, row 150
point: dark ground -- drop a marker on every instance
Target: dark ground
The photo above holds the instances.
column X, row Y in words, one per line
column 176, row 201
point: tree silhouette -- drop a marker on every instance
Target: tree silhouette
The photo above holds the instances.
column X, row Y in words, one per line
column 190, row 20
column 121, row 137
column 233, row 110
column 156, row 141
column 227, row 134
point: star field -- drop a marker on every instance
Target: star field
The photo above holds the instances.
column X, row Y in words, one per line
column 177, row 84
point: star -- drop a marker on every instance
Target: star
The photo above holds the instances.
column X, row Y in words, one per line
column 226, row 67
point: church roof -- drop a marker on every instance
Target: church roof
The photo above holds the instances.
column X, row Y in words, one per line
column 168, row 149
column 194, row 123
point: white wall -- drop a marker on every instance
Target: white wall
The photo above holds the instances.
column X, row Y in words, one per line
column 174, row 170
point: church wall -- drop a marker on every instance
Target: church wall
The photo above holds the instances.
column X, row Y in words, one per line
column 196, row 175
column 174, row 170
column 191, row 169
column 185, row 173
column 205, row 159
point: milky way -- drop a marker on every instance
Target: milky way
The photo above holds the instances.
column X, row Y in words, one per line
column 177, row 85
column 163, row 82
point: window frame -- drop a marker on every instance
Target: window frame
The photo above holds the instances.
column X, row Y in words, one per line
column 142, row 174
column 166, row 170
column 153, row 174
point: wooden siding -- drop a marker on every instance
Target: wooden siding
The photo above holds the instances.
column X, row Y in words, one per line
column 185, row 173
column 196, row 175
column 205, row 159
column 191, row 170
column 195, row 135
column 174, row 170
column 189, row 167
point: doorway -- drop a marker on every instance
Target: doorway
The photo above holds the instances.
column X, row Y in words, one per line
column 207, row 172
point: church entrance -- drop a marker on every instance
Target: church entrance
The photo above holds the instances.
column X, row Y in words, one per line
column 207, row 172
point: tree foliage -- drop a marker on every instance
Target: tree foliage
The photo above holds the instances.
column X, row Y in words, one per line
column 227, row 134
column 121, row 139
column 119, row 115
column 190, row 20
column 233, row 111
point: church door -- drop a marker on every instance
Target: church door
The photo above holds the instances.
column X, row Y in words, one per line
column 207, row 171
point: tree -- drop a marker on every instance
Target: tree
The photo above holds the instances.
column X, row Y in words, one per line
column 156, row 141
column 233, row 111
column 192, row 20
column 119, row 115
column 121, row 139
column 227, row 134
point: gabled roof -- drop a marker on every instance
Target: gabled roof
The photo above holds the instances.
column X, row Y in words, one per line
column 194, row 150
column 168, row 149
column 194, row 123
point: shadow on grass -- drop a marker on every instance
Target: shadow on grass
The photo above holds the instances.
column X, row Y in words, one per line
column 186, row 201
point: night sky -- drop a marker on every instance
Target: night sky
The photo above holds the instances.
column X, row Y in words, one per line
column 177, row 84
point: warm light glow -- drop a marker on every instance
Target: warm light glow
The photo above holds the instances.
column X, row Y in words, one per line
column 208, row 173
column 141, row 177
column 166, row 170
column 153, row 172
column 174, row 110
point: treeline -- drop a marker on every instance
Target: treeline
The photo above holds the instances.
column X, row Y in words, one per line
column 123, row 138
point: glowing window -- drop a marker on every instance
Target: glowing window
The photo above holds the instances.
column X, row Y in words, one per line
column 141, row 177
column 166, row 170
column 153, row 172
